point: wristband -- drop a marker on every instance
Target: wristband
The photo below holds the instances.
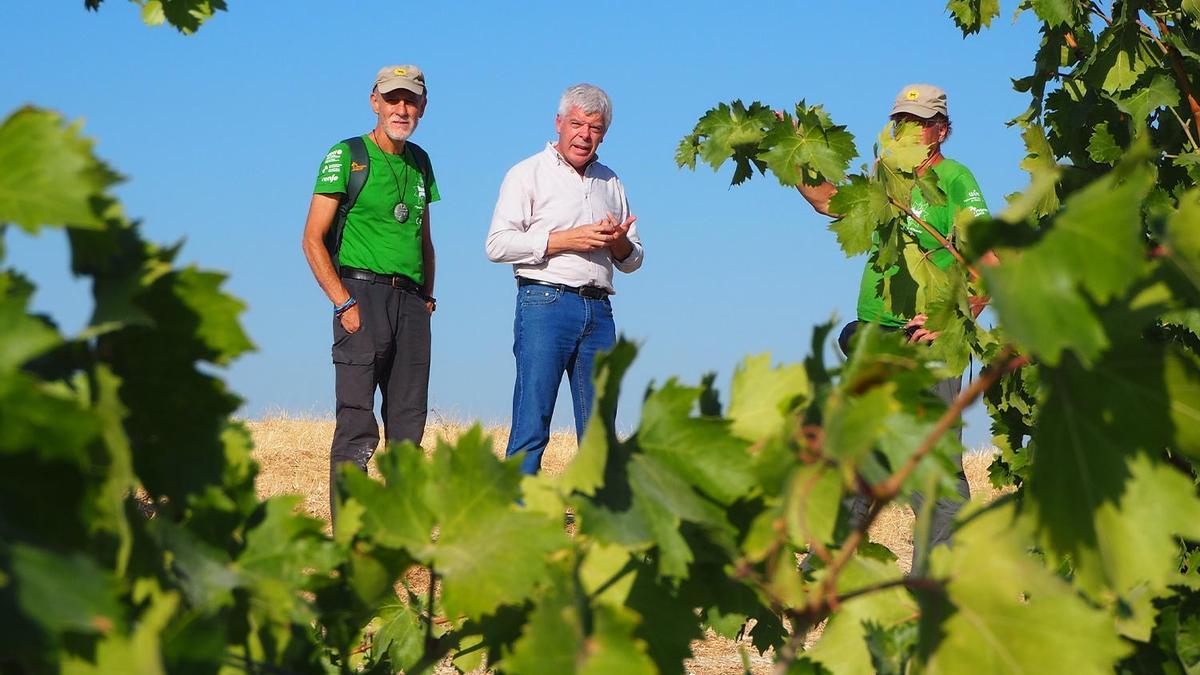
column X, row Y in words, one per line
column 341, row 309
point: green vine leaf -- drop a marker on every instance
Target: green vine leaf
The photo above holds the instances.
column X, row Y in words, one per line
column 51, row 176
column 972, row 15
column 1001, row 606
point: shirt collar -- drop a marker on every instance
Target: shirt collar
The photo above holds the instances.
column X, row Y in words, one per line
column 552, row 150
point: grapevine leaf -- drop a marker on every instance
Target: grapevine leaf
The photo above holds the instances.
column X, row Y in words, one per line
column 761, row 397
column 810, row 142
column 204, row 572
column 729, row 131
column 201, row 313
column 64, row 592
column 396, row 512
column 1054, row 12
column 1043, row 169
column 902, row 148
column 496, row 559
column 842, row 646
column 556, row 640
column 1083, row 434
column 586, row 472
column 904, row 433
column 813, row 498
column 1098, row 234
column 1001, row 606
column 401, row 635
column 186, row 16
column 1103, row 147
column 35, row 423
column 949, row 314
column 863, row 205
column 286, row 547
column 1190, row 161
column 1161, row 92
column 116, row 465
column 668, row 623
column 1136, row 551
column 51, row 175
column 854, row 423
column 474, row 498
column 702, row 450
column 687, row 151
column 916, row 282
column 138, row 652
column 1095, row 244
column 22, row 337
column 665, row 501
column 972, row 15
column 1118, row 60
column 1183, row 236
column 612, row 647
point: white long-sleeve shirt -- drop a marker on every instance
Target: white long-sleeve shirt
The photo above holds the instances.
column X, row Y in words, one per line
column 544, row 194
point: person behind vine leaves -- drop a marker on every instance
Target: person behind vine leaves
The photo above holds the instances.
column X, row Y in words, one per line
column 925, row 105
column 563, row 221
column 380, row 278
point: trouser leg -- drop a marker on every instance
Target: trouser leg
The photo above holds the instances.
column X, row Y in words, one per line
column 545, row 336
column 599, row 334
column 944, row 509
column 356, row 431
column 405, row 381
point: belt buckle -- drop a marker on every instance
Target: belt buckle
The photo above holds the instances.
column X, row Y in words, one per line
column 394, row 280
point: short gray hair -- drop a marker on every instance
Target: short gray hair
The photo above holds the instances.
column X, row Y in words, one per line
column 589, row 98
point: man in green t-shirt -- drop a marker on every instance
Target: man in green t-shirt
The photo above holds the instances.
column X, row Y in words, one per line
column 379, row 275
column 925, row 105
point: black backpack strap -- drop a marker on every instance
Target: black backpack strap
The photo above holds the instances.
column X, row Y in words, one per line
column 354, row 186
column 422, row 160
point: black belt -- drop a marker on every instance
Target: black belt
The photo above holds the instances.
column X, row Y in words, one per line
column 589, row 292
column 394, row 280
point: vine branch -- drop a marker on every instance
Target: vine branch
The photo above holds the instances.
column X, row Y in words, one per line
column 945, row 243
column 827, row 598
column 1176, row 60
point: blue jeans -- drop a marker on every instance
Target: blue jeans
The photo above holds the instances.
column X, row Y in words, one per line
column 554, row 332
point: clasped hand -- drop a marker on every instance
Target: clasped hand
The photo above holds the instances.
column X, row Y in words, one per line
column 605, row 233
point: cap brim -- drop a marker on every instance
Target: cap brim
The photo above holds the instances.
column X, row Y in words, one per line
column 913, row 108
column 387, row 87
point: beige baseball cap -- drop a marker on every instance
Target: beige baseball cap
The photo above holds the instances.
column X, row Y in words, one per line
column 391, row 78
column 922, row 100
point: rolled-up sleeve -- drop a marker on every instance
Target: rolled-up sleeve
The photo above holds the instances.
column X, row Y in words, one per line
column 509, row 239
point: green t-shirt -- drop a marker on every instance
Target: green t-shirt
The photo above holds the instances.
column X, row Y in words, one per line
column 373, row 239
column 962, row 193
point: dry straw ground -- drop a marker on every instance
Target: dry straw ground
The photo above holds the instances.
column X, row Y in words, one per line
column 294, row 454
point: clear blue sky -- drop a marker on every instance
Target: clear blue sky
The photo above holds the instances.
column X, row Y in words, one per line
column 221, row 134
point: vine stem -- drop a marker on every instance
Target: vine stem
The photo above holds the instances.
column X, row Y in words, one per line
column 429, row 641
column 1172, row 54
column 938, row 236
column 827, row 598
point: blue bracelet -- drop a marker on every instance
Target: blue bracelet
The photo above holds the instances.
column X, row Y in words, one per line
column 341, row 309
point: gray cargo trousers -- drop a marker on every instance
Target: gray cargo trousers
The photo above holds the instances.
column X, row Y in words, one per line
column 389, row 352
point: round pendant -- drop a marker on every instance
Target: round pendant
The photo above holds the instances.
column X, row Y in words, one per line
column 401, row 212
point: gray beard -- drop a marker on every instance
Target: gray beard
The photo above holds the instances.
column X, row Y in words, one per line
column 400, row 137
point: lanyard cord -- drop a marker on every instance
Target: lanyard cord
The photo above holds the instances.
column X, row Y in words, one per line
column 395, row 178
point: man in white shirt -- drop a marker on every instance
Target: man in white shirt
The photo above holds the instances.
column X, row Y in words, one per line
column 563, row 221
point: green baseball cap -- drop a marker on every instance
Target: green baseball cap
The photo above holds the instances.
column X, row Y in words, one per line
column 922, row 100
column 391, row 78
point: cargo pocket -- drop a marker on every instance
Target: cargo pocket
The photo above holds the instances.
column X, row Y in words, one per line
column 353, row 349
column 353, row 368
